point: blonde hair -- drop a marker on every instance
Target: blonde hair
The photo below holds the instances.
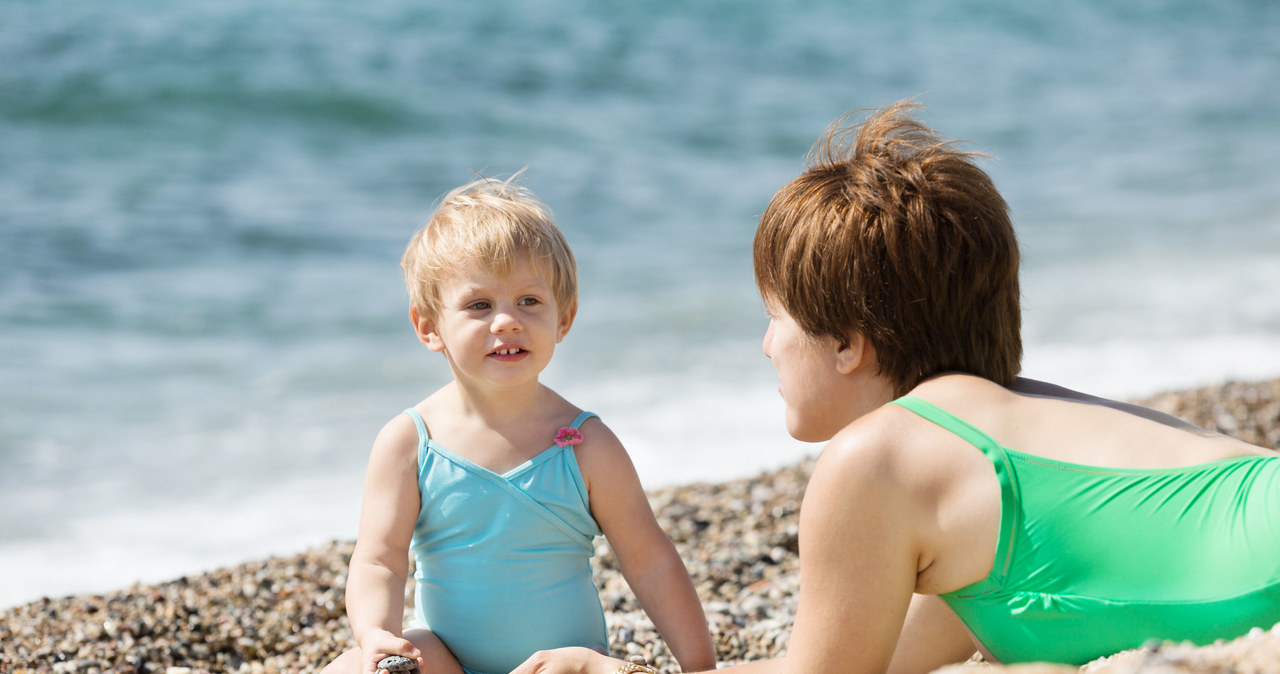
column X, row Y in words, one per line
column 894, row 234
column 495, row 221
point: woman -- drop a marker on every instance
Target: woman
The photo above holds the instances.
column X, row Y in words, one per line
column 957, row 507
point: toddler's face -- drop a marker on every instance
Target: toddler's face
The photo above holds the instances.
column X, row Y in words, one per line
column 497, row 329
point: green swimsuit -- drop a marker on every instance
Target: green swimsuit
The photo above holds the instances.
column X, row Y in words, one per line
column 1092, row 561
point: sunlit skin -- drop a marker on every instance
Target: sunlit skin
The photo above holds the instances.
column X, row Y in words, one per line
column 899, row 510
column 900, row 255
column 498, row 331
column 807, row 368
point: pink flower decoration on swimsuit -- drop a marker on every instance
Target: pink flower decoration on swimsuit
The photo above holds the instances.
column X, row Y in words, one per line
column 568, row 436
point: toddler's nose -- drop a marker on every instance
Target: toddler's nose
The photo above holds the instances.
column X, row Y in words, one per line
column 505, row 321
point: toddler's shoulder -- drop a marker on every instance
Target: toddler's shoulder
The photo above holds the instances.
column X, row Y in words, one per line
column 597, row 427
column 399, row 437
column 600, row 456
column 598, row 441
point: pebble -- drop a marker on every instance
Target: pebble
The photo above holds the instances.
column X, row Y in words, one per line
column 397, row 663
column 739, row 539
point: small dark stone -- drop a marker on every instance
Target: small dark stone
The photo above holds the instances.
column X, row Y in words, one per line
column 397, row 663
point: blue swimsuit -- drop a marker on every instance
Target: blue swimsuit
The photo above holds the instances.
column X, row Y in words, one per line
column 503, row 561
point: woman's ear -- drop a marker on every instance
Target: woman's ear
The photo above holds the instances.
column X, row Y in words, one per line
column 426, row 330
column 853, row 353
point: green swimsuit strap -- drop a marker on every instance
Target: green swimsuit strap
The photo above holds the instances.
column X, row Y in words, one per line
column 1004, row 475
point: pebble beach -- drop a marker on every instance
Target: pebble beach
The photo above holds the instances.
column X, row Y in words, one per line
column 738, row 538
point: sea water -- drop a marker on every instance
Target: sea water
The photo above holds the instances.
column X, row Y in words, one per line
column 203, row 205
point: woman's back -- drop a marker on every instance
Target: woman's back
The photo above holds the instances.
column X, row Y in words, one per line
column 1111, row 528
column 1056, row 423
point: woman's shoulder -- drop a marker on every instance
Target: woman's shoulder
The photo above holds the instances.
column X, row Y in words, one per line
column 926, row 461
column 927, row 479
column 898, row 466
column 891, row 427
column 893, row 444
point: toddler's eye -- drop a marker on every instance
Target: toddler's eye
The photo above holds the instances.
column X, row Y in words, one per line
column 529, row 301
column 478, row 306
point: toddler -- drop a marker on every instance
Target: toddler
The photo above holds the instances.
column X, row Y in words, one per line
column 495, row 483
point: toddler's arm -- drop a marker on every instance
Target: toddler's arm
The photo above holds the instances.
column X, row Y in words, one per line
column 646, row 555
column 380, row 563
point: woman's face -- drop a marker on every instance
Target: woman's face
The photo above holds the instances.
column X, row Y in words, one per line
column 808, row 376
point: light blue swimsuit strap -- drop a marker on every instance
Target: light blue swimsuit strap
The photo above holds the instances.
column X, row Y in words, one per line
column 501, row 482
column 582, row 419
column 423, row 434
column 1009, row 498
column 578, row 482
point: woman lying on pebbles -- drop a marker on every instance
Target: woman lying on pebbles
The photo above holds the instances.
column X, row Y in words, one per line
column 957, row 506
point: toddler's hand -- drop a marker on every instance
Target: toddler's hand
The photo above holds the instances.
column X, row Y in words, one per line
column 379, row 644
column 398, row 664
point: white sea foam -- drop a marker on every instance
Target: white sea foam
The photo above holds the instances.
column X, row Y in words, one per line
column 114, row 548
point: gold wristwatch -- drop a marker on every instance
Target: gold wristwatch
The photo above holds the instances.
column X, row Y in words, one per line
column 633, row 668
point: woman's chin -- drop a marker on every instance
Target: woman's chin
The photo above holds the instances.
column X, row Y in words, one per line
column 805, row 432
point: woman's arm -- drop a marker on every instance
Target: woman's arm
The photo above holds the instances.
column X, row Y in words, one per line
column 860, row 551
column 861, row 548
column 380, row 562
column 649, row 561
column 858, row 570
column 587, row 661
column 932, row 637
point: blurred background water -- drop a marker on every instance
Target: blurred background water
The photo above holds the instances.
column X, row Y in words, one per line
column 203, row 204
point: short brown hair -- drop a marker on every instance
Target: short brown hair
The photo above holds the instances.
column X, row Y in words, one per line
column 894, row 234
column 494, row 221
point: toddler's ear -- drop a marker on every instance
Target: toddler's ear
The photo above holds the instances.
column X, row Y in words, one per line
column 426, row 331
column 566, row 321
